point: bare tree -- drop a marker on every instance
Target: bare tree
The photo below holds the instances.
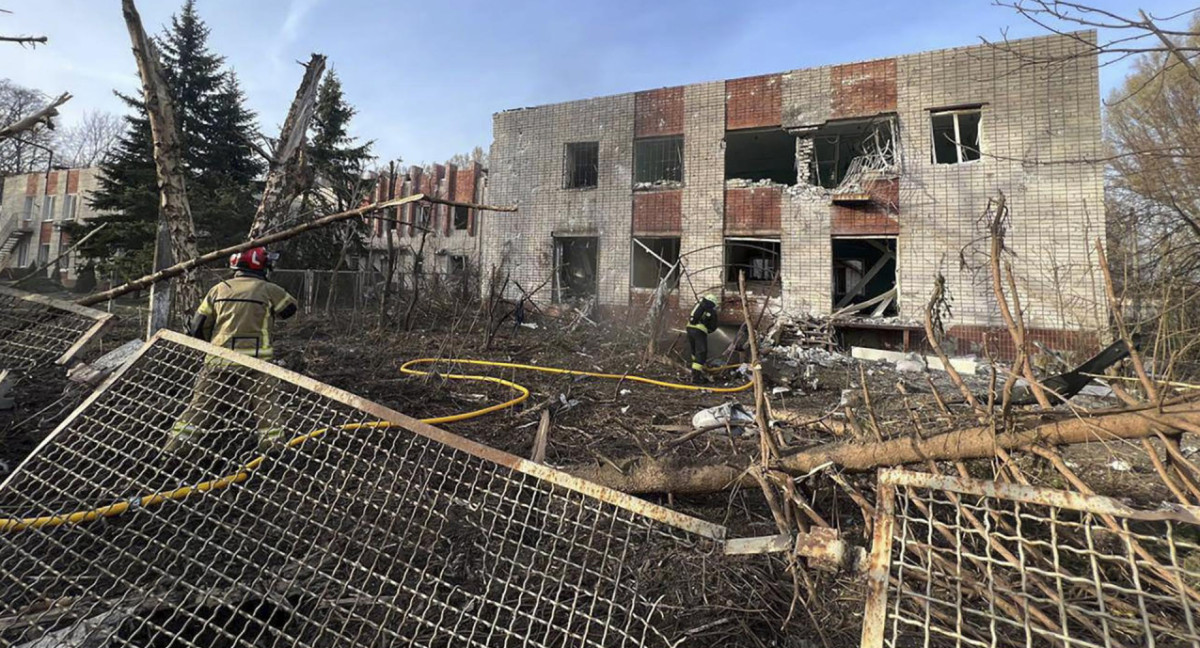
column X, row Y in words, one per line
column 1133, row 36
column 463, row 160
column 29, row 151
column 86, row 143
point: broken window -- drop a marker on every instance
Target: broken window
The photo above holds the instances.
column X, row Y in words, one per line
column 575, row 267
column 846, row 153
column 760, row 155
column 582, row 165
column 456, row 264
column 956, row 135
column 658, row 162
column 654, row 260
column 462, row 217
column 758, row 258
column 864, row 276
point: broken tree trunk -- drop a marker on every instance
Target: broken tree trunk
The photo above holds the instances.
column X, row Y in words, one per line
column 218, row 255
column 43, row 116
column 969, row 443
column 286, row 177
column 168, row 157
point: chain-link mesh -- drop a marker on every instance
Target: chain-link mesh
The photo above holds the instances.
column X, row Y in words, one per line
column 351, row 534
column 976, row 563
column 36, row 330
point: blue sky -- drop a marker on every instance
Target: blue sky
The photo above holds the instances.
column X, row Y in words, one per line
column 427, row 77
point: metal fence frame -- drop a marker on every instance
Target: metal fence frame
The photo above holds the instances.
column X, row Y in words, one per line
column 149, row 513
column 40, row 344
column 1078, row 593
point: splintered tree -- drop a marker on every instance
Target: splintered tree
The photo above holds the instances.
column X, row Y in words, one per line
column 215, row 129
column 176, row 230
column 337, row 161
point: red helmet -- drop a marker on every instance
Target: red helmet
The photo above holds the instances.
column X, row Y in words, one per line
column 255, row 259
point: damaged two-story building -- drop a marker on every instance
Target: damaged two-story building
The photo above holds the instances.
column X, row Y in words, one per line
column 829, row 187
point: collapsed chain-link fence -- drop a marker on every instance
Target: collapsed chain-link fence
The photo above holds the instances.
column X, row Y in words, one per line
column 150, row 518
column 964, row 562
column 36, row 330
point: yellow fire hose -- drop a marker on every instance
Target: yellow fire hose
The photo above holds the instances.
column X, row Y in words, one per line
column 145, row 501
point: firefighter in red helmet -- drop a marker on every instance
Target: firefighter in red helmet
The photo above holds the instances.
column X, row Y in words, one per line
column 238, row 314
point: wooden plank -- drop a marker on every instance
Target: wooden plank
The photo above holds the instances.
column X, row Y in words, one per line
column 543, row 434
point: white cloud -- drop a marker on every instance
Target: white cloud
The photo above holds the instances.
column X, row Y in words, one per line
column 289, row 31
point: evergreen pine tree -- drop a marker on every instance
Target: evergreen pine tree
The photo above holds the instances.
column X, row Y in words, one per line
column 215, row 129
column 128, row 201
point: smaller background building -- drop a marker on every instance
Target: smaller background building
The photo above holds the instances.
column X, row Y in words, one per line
column 452, row 247
column 33, row 213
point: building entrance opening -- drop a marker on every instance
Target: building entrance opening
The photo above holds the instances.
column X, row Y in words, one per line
column 575, row 266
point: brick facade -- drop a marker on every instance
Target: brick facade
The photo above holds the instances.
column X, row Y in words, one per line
column 753, row 102
column 658, row 212
column 877, row 217
column 658, row 112
column 930, row 210
column 753, row 210
column 863, row 89
column 445, row 241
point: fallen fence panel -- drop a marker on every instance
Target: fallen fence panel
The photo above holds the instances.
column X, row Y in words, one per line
column 35, row 329
column 966, row 562
column 150, row 518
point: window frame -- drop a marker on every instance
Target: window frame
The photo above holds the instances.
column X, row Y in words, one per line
column 958, row 143
column 48, row 205
column 466, row 218
column 571, row 166
column 664, row 141
column 69, row 208
column 635, row 243
column 761, row 243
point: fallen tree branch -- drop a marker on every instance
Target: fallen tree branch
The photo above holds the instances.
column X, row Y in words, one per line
column 24, row 40
column 970, row 443
column 223, row 254
column 43, row 116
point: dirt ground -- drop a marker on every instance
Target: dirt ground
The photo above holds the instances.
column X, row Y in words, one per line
column 597, row 421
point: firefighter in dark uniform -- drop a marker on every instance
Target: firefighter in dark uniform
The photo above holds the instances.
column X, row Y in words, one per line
column 702, row 321
column 237, row 314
